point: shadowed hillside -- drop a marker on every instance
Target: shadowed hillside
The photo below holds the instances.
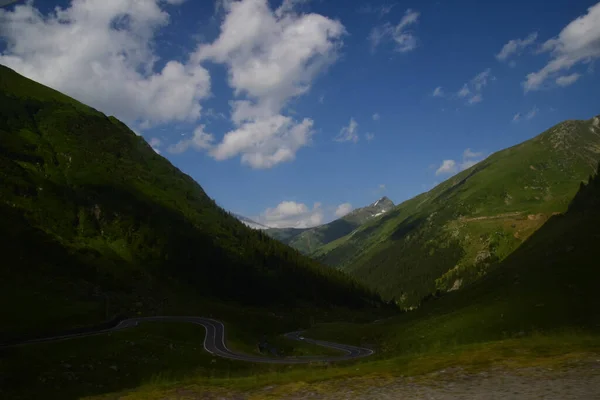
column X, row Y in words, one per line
column 95, row 223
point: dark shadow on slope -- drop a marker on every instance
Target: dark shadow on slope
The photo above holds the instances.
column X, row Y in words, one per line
column 407, row 227
column 335, row 230
column 549, row 283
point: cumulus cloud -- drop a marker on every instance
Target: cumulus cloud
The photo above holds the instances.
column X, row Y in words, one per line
column 265, row 142
column 376, row 117
column 474, row 88
column 567, row 80
column 404, row 39
column 289, row 214
column 577, row 43
column 272, row 56
column 199, row 141
column 516, row 46
column 469, row 158
column 343, row 209
column 438, row 92
column 101, row 52
column 348, row 133
column 369, row 136
column 470, row 154
column 447, row 167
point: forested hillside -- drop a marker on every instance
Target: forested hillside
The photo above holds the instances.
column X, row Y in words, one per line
column 95, row 223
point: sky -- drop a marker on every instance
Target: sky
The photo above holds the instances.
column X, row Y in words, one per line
column 294, row 112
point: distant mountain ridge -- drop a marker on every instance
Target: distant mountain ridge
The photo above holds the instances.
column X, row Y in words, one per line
column 310, row 239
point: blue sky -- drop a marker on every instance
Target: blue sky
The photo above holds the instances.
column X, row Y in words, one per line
column 284, row 112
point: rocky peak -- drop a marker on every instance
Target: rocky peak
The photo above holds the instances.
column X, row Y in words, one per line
column 383, row 203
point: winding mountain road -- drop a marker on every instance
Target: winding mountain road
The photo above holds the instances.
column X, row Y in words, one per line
column 214, row 341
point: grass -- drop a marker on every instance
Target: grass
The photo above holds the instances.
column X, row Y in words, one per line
column 152, row 352
column 538, row 350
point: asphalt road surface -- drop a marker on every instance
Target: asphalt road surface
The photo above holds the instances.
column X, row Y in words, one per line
column 214, row 342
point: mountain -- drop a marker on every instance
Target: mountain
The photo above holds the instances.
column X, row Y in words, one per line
column 309, row 240
column 539, row 301
column 95, row 224
column 250, row 223
column 456, row 233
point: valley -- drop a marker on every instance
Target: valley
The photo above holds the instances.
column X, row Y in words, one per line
column 122, row 277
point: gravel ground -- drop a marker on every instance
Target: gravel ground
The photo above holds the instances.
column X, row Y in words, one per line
column 581, row 382
column 578, row 380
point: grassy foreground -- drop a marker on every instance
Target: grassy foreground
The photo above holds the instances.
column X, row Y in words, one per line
column 538, row 350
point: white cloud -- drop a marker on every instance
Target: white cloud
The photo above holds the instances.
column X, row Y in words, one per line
column 265, row 142
column 289, row 214
column 404, row 39
column 381, row 186
column 516, row 46
column 532, row 113
column 469, row 158
column 517, row 117
column 343, row 209
column 464, row 91
column 447, row 167
column 272, row 57
column 199, row 141
column 469, row 154
column 348, row 133
column 567, row 80
column 101, row 52
column 578, row 42
column 473, row 89
column 288, row 6
column 369, row 136
column 477, row 98
column 438, row 92
column 481, row 79
column 376, row 117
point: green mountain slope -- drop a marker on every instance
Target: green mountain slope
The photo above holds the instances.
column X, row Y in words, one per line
column 545, row 292
column 455, row 233
column 308, row 241
column 95, row 223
